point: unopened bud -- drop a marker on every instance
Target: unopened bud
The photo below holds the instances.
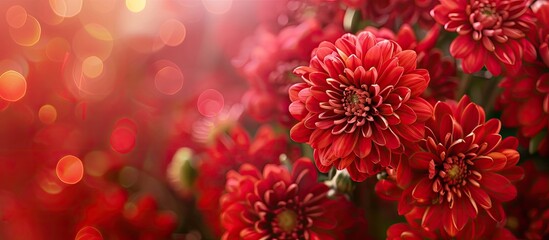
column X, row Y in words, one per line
column 181, row 172
column 343, row 182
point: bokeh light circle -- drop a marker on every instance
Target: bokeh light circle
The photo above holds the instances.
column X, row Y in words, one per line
column 50, row 184
column 28, row 34
column 89, row 81
column 217, row 6
column 123, row 139
column 47, row 114
column 136, row 5
column 16, row 16
column 13, row 86
column 70, row 169
column 172, row 32
column 210, row 103
column 88, row 233
column 169, row 80
column 66, row 8
column 17, row 63
column 92, row 66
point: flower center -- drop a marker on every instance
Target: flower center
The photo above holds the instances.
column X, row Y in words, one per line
column 451, row 174
column 287, row 220
column 485, row 15
column 487, row 11
column 354, row 99
column 356, row 102
column 454, row 172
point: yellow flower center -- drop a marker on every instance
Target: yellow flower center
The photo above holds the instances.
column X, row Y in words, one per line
column 287, row 220
column 454, row 172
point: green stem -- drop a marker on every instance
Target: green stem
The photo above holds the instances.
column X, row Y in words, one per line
column 464, row 85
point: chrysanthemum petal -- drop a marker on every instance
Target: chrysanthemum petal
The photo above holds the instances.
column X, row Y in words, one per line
column 300, row 133
column 407, row 59
column 423, row 191
column 344, row 145
column 462, row 46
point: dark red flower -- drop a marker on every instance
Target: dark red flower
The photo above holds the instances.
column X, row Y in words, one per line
column 543, row 48
column 229, row 151
column 540, row 38
column 393, row 13
column 491, row 32
column 461, row 169
column 525, row 104
column 528, row 215
column 115, row 217
column 481, row 228
column 360, row 101
column 279, row 204
column 525, row 98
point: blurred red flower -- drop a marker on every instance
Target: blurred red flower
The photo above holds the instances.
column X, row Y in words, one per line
column 461, row 169
column 393, row 13
column 229, row 151
column 491, row 32
column 541, row 38
column 279, row 204
column 481, row 228
column 528, row 214
column 117, row 218
column 360, row 101
column 525, row 104
column 267, row 61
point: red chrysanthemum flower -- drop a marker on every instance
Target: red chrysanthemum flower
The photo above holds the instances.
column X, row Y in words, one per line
column 525, row 99
column 442, row 70
column 541, row 37
column 229, row 151
column 360, row 101
column 525, row 104
column 279, row 204
column 491, row 32
column 461, row 169
column 483, row 227
column 528, row 215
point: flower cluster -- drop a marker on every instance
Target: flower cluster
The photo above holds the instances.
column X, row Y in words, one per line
column 229, row 151
column 287, row 119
